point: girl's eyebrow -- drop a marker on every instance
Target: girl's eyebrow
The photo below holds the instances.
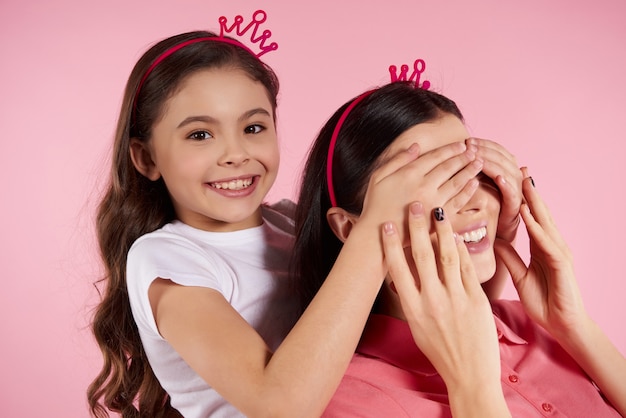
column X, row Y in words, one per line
column 252, row 112
column 191, row 119
column 210, row 119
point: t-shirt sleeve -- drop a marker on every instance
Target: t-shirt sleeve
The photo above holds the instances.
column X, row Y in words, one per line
column 281, row 214
column 168, row 257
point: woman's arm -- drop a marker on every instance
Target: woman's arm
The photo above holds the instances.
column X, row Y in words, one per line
column 600, row 359
column 449, row 314
column 548, row 290
column 299, row 378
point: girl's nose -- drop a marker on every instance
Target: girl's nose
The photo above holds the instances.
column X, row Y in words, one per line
column 234, row 152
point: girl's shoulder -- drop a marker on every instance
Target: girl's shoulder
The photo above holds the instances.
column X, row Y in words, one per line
column 173, row 233
column 172, row 243
column 281, row 215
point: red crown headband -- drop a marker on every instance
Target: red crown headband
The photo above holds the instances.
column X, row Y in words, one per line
column 257, row 18
column 418, row 68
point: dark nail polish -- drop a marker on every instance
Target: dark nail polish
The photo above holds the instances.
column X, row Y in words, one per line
column 532, row 181
column 438, row 214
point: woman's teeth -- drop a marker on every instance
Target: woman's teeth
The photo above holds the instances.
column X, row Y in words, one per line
column 475, row 236
column 233, row 184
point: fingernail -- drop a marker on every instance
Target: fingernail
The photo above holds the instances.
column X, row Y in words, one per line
column 414, row 148
column 388, row 228
column 532, row 181
column 416, row 208
column 438, row 214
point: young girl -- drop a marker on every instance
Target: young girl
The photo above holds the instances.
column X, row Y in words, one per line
column 196, row 301
column 435, row 345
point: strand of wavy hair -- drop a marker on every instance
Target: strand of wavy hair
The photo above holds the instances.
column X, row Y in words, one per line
column 126, row 383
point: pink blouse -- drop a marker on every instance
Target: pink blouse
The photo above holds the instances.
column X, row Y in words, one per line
column 390, row 377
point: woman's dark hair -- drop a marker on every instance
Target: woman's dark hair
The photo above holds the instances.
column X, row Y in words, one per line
column 133, row 206
column 371, row 126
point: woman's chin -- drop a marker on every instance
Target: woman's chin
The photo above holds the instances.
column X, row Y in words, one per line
column 485, row 267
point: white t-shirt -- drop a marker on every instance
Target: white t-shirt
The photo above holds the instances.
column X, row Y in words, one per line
column 248, row 267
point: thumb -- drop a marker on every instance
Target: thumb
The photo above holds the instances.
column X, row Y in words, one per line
column 512, row 261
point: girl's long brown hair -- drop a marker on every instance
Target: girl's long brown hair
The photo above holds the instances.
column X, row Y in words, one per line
column 133, row 206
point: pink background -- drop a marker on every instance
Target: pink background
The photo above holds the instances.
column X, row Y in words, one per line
column 544, row 78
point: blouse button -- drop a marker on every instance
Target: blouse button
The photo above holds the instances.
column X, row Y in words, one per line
column 513, row 378
column 546, row 407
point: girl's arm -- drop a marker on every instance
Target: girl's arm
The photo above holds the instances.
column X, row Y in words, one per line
column 548, row 290
column 449, row 314
column 299, row 378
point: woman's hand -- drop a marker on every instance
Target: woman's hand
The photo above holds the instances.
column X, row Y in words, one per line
column 547, row 286
column 548, row 290
column 448, row 313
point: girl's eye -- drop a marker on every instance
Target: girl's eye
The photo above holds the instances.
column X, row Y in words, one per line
column 254, row 129
column 200, row 135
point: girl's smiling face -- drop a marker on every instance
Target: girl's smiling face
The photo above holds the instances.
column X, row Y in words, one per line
column 477, row 221
column 215, row 148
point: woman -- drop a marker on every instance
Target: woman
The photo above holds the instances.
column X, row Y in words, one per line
column 435, row 345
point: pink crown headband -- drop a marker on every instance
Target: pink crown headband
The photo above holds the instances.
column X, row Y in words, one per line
column 418, row 68
column 257, row 18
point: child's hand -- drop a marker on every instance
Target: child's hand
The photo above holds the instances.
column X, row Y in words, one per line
column 547, row 287
column 449, row 314
column 445, row 176
column 501, row 167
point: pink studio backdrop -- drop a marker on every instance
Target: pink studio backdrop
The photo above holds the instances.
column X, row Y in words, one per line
column 544, row 78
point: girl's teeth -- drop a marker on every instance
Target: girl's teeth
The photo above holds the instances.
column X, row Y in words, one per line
column 476, row 235
column 233, row 184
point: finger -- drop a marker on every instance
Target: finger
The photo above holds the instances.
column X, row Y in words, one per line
column 422, row 247
column 539, row 212
column 397, row 266
column 426, row 161
column 506, row 181
column 512, row 261
column 490, row 145
column 553, row 249
column 499, row 164
column 453, row 156
column 452, row 186
column 511, row 196
column 511, row 199
column 395, row 163
column 448, row 255
column 466, row 267
column 458, row 201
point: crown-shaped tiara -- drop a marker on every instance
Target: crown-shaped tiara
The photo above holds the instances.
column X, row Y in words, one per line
column 419, row 66
column 256, row 21
column 257, row 18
